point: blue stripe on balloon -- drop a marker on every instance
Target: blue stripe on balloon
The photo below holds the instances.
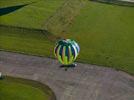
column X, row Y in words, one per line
column 60, row 52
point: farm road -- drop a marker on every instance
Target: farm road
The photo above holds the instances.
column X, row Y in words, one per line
column 85, row 82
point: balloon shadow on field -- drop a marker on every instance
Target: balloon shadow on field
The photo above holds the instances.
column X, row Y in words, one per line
column 66, row 67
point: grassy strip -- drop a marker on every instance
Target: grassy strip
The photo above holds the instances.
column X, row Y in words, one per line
column 25, row 85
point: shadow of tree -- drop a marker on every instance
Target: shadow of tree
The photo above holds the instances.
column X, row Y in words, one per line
column 7, row 10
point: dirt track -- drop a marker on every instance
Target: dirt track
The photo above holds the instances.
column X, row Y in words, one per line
column 85, row 82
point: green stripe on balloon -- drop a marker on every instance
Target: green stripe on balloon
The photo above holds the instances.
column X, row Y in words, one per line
column 65, row 57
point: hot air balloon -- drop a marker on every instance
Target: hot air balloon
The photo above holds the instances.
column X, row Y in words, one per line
column 66, row 51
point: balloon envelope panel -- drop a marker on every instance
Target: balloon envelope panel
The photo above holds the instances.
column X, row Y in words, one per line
column 66, row 51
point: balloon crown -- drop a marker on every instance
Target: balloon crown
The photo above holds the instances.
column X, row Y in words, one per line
column 65, row 42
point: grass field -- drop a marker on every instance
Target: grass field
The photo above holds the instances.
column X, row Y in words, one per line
column 30, row 16
column 25, row 41
column 7, row 3
column 104, row 32
column 21, row 89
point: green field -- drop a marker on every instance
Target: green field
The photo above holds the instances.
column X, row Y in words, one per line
column 25, row 41
column 30, row 16
column 21, row 89
column 104, row 32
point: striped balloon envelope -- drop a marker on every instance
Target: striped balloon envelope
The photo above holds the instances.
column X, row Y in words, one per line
column 66, row 51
